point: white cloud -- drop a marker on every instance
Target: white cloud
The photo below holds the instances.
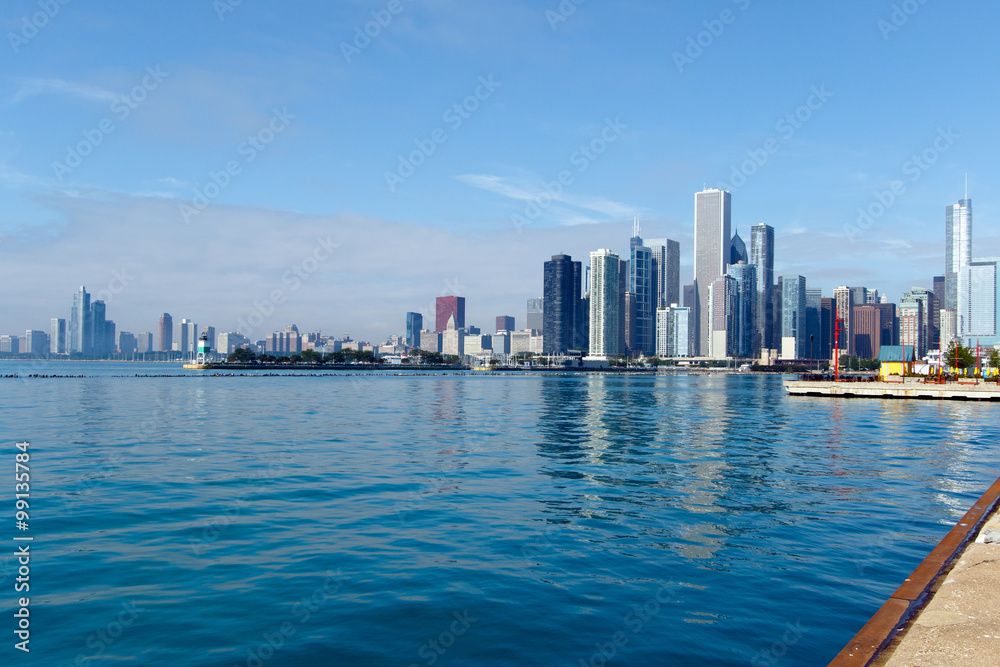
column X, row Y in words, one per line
column 32, row 87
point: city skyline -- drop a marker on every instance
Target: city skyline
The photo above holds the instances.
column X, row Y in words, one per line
column 228, row 177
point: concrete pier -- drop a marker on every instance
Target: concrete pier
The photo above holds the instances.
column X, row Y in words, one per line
column 904, row 388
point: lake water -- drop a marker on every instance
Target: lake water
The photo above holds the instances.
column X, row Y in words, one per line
column 452, row 519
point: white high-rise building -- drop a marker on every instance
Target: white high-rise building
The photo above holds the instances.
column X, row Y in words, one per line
column 957, row 252
column 712, row 241
column 604, row 302
column 980, row 304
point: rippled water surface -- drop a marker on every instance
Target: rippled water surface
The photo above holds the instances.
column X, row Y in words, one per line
column 469, row 519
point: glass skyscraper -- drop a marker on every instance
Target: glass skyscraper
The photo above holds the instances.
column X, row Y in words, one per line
column 80, row 324
column 414, row 324
column 957, row 251
column 561, row 330
column 641, row 287
column 604, row 303
column 762, row 257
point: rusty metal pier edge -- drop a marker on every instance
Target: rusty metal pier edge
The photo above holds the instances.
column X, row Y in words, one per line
column 879, row 632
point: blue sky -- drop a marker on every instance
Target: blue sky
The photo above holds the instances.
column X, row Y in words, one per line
column 220, row 159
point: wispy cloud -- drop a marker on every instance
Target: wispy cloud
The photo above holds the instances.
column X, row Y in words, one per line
column 519, row 190
column 32, row 87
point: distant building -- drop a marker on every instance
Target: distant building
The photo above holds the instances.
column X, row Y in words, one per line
column 641, row 287
column 844, row 301
column 604, row 303
column 911, row 325
column 504, row 323
column 414, row 323
column 762, row 257
column 127, row 343
column 666, row 271
column 957, row 253
column 536, row 314
column 712, row 247
column 165, row 333
column 57, row 336
column 229, row 341
column 978, row 311
column 745, row 314
column 80, row 327
column 283, row 343
column 11, row 344
column 144, row 342
column 867, row 331
column 430, row 341
column 793, row 317
column 674, row 331
column 35, row 343
column 738, row 250
column 561, row 320
column 453, row 338
column 949, row 327
column 450, row 306
column 722, row 303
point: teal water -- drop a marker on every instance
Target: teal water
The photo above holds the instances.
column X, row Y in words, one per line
column 470, row 520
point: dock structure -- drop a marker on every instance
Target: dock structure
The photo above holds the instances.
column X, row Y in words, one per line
column 914, row 388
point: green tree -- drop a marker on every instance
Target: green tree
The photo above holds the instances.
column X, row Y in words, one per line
column 312, row 357
column 242, row 356
column 959, row 356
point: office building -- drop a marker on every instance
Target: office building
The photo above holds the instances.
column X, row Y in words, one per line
column 57, row 336
column 103, row 330
column 762, row 257
column 666, row 270
column 926, row 297
column 35, row 343
column 453, row 338
column 712, row 245
column 10, row 344
column 127, row 343
column 506, row 322
column 745, row 315
column 957, row 251
column 80, row 327
column 165, row 333
column 641, row 286
column 450, row 307
column 867, row 331
column 722, row 302
column 605, row 269
column 814, row 315
column 430, row 341
column 979, row 307
column 144, row 342
column 826, row 322
column 844, row 300
column 911, row 326
column 738, row 250
column 561, row 329
column 535, row 315
column 674, row 331
column 793, row 317
column 414, row 323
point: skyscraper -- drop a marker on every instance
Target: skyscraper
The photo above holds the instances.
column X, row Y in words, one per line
column 57, row 336
column 561, row 332
column 505, row 323
column 844, row 300
column 666, row 270
column 979, row 308
column 604, row 303
column 793, row 317
column 957, row 251
column 80, row 327
column 535, row 315
column 762, row 256
column 448, row 306
column 712, row 243
column 738, row 250
column 165, row 333
column 414, row 323
column 744, row 317
column 99, row 328
column 722, row 300
column 641, row 287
